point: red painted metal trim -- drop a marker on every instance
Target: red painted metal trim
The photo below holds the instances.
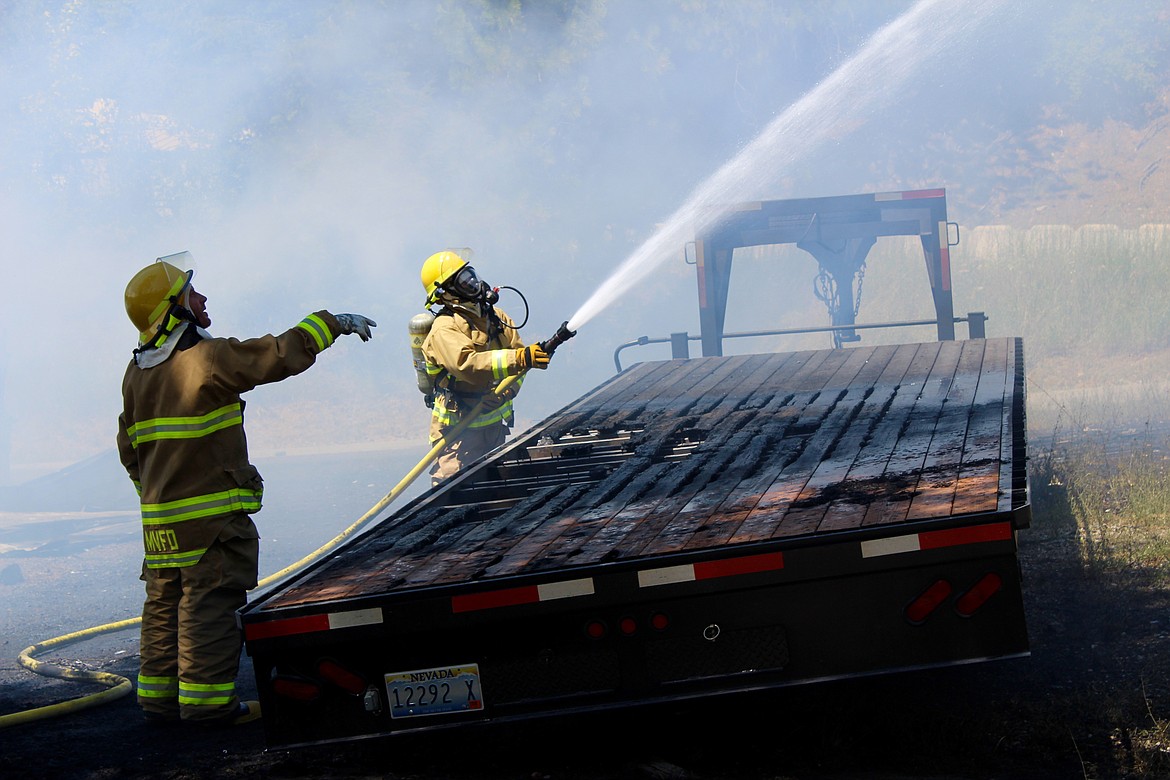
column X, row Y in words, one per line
column 748, row 564
column 298, row 625
column 952, row 537
column 508, row 597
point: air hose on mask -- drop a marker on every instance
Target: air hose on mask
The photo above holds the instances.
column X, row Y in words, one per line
column 118, row 686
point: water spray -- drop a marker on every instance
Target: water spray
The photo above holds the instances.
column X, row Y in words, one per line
column 850, row 96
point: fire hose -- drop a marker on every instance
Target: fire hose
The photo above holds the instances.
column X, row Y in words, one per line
column 118, row 686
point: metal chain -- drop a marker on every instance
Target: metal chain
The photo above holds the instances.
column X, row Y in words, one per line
column 857, row 299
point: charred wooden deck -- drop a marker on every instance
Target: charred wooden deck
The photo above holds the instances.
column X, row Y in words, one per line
column 683, row 456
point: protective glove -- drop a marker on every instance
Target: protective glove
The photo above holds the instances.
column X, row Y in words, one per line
column 493, row 401
column 356, row 323
column 532, row 356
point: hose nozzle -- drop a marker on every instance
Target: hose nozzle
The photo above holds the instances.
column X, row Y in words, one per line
column 562, row 335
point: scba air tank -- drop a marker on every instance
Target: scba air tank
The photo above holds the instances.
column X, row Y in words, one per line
column 420, row 326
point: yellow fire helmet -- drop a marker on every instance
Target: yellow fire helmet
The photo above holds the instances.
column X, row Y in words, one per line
column 152, row 292
column 438, row 269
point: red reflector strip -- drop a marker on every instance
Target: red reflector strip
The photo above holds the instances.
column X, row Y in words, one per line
column 933, row 540
column 975, row 598
column 928, row 602
column 312, row 623
column 709, row 570
column 910, row 195
column 953, row 537
column 528, row 594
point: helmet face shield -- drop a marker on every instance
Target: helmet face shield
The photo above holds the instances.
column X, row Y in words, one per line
column 465, row 284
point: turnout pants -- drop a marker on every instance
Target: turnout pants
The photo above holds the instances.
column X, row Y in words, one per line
column 190, row 645
column 474, row 443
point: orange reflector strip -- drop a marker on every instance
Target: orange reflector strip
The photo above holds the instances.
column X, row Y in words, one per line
column 970, row 602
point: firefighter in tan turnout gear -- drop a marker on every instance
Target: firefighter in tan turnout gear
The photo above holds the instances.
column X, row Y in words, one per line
column 181, row 439
column 472, row 346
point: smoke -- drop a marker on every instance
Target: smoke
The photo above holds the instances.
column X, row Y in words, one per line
column 312, row 155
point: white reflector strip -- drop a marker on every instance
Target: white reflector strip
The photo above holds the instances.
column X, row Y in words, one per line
column 895, row 544
column 565, row 590
column 357, row 617
column 666, row 576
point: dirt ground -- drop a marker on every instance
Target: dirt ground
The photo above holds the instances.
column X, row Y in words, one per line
column 1092, row 701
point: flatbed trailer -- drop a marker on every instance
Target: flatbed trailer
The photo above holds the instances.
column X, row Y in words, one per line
column 690, row 528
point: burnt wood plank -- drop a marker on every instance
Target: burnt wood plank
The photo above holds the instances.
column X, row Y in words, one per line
column 737, row 390
column 621, row 401
column 662, row 393
column 486, row 543
column 764, row 402
column 939, row 474
column 727, row 518
column 781, row 413
column 613, row 493
column 977, row 483
column 813, row 435
column 900, row 474
column 807, row 510
column 1011, row 418
column 833, row 488
column 864, row 480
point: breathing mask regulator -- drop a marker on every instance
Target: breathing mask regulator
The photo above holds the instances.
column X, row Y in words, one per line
column 464, row 286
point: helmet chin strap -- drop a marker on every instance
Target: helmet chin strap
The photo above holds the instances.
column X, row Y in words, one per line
column 176, row 312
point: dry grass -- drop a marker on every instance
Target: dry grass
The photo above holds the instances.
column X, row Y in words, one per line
column 1105, row 500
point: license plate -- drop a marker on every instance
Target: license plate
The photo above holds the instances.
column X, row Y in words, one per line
column 434, row 691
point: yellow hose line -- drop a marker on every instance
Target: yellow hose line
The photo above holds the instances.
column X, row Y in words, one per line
column 118, row 686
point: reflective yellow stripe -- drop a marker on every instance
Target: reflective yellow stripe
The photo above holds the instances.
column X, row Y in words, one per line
column 500, row 363
column 176, row 288
column 208, row 505
column 157, row 687
column 204, row 694
column 173, row 560
column 185, row 427
column 316, row 327
column 440, row 413
column 446, row 418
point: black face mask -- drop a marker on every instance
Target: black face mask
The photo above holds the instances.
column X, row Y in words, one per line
column 466, row 285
